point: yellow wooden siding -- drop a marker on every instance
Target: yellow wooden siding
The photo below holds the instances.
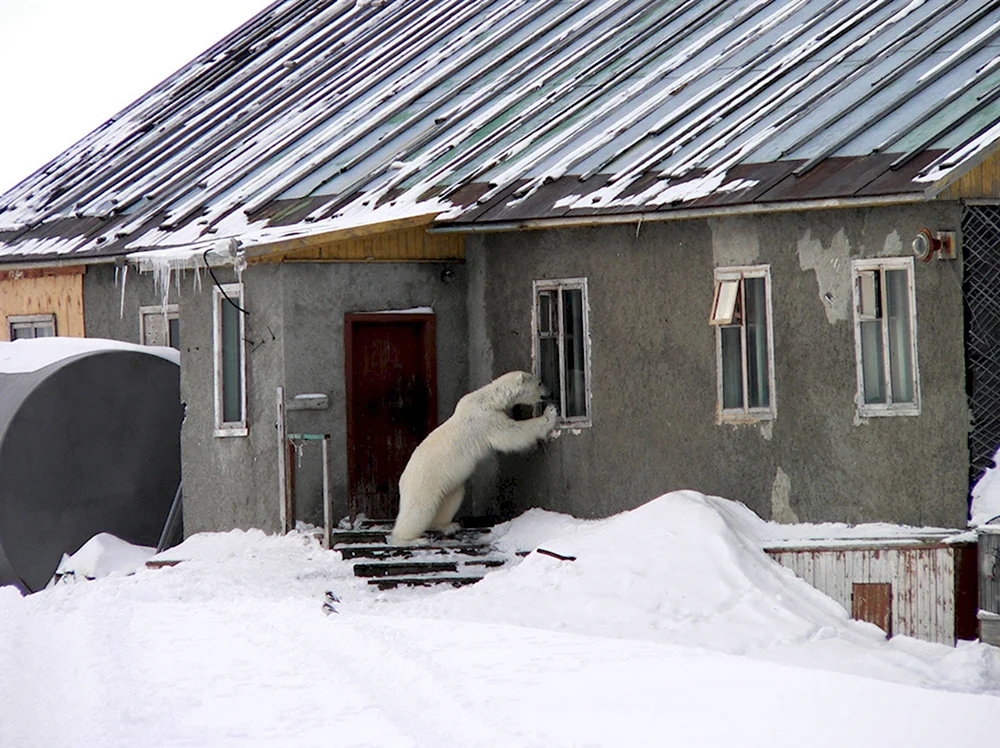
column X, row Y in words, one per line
column 409, row 245
column 57, row 291
column 983, row 181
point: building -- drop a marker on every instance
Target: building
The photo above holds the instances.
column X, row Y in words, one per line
column 751, row 245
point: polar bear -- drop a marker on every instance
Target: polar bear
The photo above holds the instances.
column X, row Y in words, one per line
column 432, row 485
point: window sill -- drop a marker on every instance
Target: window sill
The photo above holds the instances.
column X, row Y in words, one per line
column 583, row 423
column 231, row 431
column 738, row 417
column 869, row 411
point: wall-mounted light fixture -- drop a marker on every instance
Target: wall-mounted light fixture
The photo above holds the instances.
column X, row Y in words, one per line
column 944, row 244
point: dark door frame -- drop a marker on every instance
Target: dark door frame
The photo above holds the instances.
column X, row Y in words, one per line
column 429, row 360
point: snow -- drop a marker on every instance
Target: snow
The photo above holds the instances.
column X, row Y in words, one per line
column 22, row 356
column 672, row 627
column 986, row 497
column 103, row 555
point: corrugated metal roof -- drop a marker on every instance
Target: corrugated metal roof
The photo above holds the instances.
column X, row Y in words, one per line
column 316, row 111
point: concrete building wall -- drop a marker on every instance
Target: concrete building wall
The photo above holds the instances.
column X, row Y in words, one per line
column 295, row 338
column 654, row 369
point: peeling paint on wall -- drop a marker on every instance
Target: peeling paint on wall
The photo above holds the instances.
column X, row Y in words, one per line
column 735, row 241
column 832, row 267
column 781, row 491
column 893, row 246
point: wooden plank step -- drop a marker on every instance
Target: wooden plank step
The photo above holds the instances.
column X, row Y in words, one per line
column 339, row 537
column 489, row 563
column 348, row 552
column 403, row 568
column 390, row 583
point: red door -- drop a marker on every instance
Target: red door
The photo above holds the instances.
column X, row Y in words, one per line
column 391, row 404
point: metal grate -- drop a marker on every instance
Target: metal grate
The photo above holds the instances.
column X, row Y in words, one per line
column 981, row 287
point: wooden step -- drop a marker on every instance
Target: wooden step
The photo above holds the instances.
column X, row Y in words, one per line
column 352, row 537
column 403, row 568
column 348, row 552
column 390, row 583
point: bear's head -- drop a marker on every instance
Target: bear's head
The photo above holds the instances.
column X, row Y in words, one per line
column 519, row 388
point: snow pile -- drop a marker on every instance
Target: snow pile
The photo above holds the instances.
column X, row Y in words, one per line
column 21, row 356
column 631, row 644
column 986, row 496
column 688, row 569
column 684, row 568
column 101, row 556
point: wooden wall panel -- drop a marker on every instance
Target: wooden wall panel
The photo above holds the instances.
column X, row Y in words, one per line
column 56, row 291
column 981, row 182
column 408, row 245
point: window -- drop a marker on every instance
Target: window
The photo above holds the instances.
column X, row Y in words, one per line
column 24, row 326
column 230, row 361
column 561, row 346
column 160, row 325
column 741, row 314
column 885, row 331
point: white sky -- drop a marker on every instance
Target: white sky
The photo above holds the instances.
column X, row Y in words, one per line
column 70, row 65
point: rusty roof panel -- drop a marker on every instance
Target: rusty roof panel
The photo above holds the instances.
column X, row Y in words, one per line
column 317, row 112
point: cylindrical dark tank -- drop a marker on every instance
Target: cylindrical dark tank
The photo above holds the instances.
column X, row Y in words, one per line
column 88, row 443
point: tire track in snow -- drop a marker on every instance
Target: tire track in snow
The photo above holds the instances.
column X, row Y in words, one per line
column 414, row 691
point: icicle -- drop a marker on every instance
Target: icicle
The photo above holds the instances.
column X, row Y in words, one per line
column 121, row 304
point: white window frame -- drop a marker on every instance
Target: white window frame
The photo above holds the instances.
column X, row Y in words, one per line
column 559, row 285
column 30, row 320
column 718, row 318
column 867, row 410
column 235, row 292
column 170, row 312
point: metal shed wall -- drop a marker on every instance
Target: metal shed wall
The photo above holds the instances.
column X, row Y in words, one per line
column 989, row 584
column 932, row 596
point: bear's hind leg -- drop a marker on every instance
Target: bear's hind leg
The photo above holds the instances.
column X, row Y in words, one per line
column 411, row 523
column 447, row 510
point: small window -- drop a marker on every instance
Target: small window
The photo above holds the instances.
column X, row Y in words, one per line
column 160, row 325
column 741, row 314
column 230, row 361
column 885, row 325
column 561, row 347
column 25, row 326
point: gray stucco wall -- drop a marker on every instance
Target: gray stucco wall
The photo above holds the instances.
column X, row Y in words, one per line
column 654, row 371
column 104, row 315
column 295, row 334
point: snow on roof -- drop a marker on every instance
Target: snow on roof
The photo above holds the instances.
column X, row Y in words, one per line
column 319, row 110
column 22, row 356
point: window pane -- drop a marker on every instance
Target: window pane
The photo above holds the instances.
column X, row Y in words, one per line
column 232, row 385
column 732, row 368
column 756, row 324
column 548, row 368
column 545, row 312
column 44, row 331
column 726, row 300
column 575, row 367
column 900, row 345
column 174, row 333
column 872, row 362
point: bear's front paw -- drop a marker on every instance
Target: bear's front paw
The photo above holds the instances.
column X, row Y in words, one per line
column 550, row 415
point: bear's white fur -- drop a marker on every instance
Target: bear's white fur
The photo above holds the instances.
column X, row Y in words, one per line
column 433, row 483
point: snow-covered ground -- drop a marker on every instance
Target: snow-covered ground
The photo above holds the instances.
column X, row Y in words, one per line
column 671, row 627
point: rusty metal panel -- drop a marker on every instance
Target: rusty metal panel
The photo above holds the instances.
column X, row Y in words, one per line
column 989, row 570
column 872, row 602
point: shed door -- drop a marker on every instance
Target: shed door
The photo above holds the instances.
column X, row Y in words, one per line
column 872, row 602
column 391, row 404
